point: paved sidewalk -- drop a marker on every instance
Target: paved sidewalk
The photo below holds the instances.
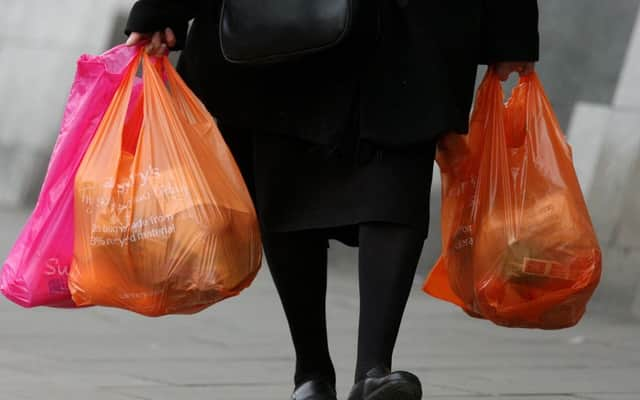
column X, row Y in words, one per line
column 240, row 350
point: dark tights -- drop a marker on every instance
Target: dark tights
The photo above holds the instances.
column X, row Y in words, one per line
column 388, row 257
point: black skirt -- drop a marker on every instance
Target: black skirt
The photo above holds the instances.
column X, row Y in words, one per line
column 298, row 185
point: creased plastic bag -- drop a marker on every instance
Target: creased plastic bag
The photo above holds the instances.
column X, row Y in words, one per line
column 36, row 270
column 519, row 248
column 164, row 222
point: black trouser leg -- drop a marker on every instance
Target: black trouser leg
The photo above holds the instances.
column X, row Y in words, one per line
column 388, row 258
column 298, row 265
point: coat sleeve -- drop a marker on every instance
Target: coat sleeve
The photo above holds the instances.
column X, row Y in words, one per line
column 511, row 29
column 149, row 16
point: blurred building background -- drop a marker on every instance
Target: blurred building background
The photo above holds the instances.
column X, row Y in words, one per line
column 590, row 66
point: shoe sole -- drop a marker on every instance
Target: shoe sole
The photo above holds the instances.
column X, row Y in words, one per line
column 398, row 390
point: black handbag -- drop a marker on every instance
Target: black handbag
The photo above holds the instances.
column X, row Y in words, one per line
column 271, row 31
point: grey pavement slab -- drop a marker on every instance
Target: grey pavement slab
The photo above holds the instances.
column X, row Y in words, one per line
column 471, row 397
column 610, row 396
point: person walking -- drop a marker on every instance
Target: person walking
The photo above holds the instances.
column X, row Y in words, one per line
column 340, row 144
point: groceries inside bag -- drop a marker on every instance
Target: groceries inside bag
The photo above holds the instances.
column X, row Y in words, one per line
column 164, row 223
column 519, row 247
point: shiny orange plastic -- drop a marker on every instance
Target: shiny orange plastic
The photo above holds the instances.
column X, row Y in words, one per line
column 519, row 247
column 164, row 223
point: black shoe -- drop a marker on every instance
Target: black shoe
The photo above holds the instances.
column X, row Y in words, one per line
column 315, row 390
column 381, row 384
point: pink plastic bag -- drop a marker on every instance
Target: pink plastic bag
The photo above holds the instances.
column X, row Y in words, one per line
column 36, row 270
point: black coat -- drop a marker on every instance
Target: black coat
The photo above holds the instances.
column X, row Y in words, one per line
column 409, row 84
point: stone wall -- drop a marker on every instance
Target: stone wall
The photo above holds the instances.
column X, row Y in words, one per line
column 611, row 180
column 40, row 41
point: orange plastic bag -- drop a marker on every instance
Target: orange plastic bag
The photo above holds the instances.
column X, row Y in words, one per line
column 519, row 248
column 164, row 221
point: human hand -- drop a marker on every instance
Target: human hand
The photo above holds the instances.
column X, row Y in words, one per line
column 504, row 69
column 159, row 42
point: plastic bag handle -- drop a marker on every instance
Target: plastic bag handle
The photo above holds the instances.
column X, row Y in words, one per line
column 115, row 115
column 184, row 98
column 493, row 159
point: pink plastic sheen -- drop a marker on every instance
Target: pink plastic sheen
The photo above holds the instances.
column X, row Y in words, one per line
column 37, row 267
